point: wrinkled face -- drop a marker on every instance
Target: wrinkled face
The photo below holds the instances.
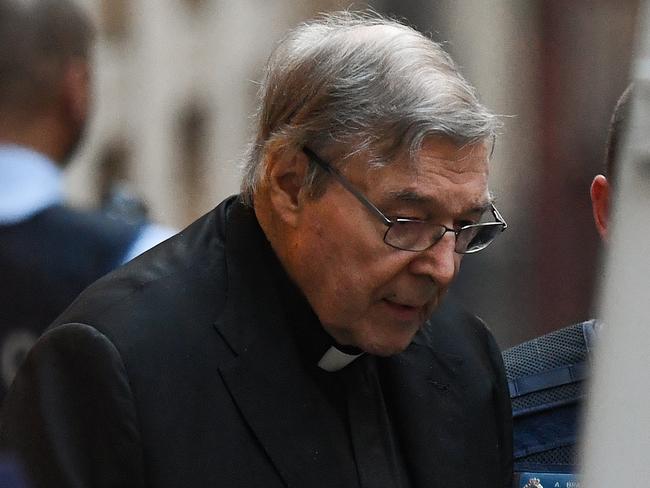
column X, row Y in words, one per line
column 366, row 293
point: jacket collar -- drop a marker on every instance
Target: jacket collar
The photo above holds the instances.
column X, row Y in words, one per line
column 29, row 183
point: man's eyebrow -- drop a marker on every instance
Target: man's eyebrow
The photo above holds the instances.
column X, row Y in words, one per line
column 411, row 196
column 481, row 207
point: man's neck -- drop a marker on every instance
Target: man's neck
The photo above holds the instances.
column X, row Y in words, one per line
column 42, row 135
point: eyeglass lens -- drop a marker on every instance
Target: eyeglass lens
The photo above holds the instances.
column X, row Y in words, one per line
column 418, row 236
column 476, row 238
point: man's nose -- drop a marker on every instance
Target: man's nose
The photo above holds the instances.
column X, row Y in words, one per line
column 438, row 262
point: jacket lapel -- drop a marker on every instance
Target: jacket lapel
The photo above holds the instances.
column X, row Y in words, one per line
column 298, row 429
column 427, row 411
column 301, row 434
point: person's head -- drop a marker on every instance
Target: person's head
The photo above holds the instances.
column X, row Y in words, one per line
column 359, row 104
column 601, row 186
column 44, row 74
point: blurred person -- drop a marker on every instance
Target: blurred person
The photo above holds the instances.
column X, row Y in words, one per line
column 48, row 251
column 546, row 375
column 285, row 339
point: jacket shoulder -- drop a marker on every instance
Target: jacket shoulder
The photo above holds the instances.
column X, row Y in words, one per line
column 181, row 279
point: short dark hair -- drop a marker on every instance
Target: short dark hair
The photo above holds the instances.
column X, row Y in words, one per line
column 617, row 127
column 37, row 39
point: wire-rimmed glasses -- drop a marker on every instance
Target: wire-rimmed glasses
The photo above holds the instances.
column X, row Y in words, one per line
column 419, row 235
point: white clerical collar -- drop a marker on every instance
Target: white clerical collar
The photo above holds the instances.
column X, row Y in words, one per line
column 29, row 183
column 335, row 359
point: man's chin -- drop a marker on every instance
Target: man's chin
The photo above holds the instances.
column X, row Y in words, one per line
column 388, row 346
column 379, row 339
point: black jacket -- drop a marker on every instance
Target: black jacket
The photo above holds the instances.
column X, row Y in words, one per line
column 179, row 370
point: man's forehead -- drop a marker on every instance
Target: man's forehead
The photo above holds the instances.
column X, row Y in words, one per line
column 473, row 203
column 444, row 159
column 446, row 150
column 439, row 168
column 443, row 175
column 443, row 156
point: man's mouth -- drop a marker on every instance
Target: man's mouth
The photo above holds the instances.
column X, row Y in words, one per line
column 405, row 311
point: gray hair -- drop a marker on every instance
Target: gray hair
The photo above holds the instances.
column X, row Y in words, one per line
column 37, row 39
column 364, row 83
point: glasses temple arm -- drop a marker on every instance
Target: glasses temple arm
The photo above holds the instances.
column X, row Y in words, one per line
column 346, row 184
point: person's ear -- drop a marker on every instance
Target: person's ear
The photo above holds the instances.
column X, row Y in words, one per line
column 285, row 176
column 77, row 90
column 600, row 195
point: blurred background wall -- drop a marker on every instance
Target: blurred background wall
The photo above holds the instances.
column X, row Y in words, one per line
column 175, row 90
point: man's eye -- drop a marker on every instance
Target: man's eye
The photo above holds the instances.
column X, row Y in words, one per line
column 403, row 217
column 464, row 223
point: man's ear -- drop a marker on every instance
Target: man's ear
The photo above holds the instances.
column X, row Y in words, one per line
column 599, row 192
column 285, row 176
column 77, row 90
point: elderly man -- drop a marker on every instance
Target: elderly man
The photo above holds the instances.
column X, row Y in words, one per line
column 284, row 338
column 49, row 252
